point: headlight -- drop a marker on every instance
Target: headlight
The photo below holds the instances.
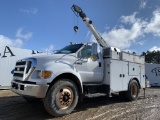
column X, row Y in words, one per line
column 44, row 74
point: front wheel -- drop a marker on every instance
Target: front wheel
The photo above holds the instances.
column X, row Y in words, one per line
column 133, row 91
column 61, row 98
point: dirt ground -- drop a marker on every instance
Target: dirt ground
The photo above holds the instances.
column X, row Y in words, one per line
column 14, row 107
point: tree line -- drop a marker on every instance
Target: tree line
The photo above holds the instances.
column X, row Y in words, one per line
column 152, row 57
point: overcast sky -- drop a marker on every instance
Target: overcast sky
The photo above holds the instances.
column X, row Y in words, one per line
column 132, row 25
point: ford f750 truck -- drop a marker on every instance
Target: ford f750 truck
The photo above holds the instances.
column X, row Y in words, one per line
column 65, row 77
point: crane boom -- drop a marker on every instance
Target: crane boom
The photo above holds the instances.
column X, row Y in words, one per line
column 79, row 12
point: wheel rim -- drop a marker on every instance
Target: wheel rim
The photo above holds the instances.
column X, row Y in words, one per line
column 64, row 97
column 134, row 90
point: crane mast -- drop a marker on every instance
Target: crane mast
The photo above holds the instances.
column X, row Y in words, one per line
column 79, row 12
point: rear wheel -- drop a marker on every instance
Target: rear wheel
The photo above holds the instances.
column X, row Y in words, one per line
column 133, row 91
column 62, row 98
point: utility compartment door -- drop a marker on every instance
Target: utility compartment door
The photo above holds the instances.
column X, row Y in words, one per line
column 125, row 76
column 116, row 75
column 134, row 69
column 119, row 75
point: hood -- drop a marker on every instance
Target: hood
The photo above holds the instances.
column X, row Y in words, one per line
column 65, row 58
column 50, row 57
column 56, row 56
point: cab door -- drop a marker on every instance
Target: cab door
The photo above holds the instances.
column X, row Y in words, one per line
column 89, row 70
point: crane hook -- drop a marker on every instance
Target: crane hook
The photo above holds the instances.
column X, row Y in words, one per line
column 75, row 28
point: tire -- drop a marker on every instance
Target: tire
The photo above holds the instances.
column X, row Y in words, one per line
column 31, row 99
column 61, row 98
column 133, row 91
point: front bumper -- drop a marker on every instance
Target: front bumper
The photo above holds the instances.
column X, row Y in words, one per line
column 32, row 90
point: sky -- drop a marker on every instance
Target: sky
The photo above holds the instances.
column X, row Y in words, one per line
column 47, row 25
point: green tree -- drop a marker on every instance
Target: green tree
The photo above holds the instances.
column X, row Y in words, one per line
column 152, row 57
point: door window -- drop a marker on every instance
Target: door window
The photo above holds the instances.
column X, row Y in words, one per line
column 85, row 52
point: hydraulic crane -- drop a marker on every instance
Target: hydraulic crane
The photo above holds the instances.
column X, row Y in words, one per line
column 79, row 12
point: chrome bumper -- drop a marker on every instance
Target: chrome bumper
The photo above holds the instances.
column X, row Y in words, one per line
column 32, row 90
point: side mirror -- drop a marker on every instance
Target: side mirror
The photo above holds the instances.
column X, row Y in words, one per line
column 94, row 52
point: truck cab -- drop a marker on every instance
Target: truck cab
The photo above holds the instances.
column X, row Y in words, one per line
column 37, row 73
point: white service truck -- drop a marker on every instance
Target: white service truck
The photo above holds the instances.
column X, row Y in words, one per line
column 64, row 78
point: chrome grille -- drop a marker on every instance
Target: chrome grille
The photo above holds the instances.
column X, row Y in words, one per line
column 23, row 69
column 19, row 70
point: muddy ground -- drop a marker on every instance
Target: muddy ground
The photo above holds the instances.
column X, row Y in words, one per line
column 14, row 107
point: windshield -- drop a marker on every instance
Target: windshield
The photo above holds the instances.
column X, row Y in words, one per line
column 69, row 49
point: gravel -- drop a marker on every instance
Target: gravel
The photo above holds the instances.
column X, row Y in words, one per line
column 97, row 107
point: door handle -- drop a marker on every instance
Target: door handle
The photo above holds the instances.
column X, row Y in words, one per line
column 123, row 75
column 79, row 63
column 120, row 75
